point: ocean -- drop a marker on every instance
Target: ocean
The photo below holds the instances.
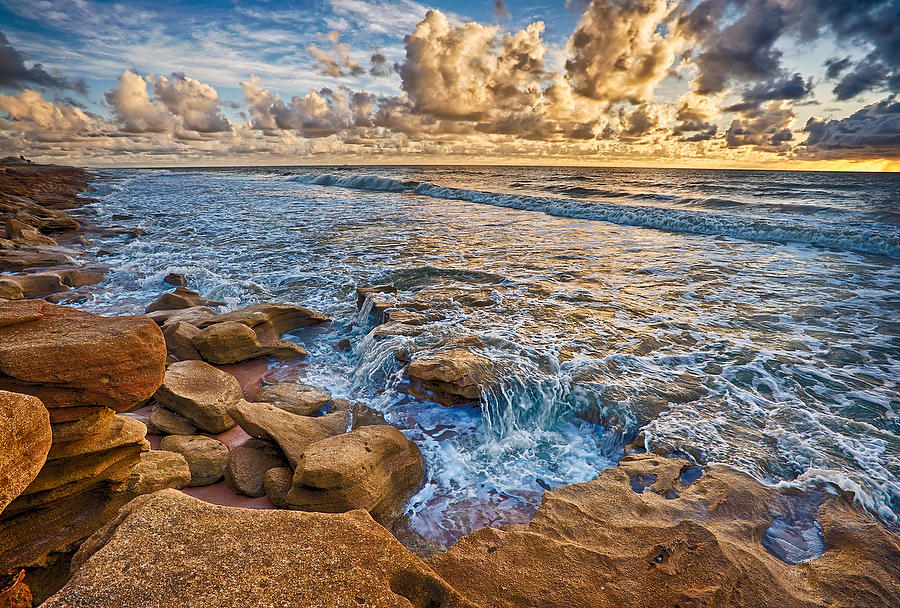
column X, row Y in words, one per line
column 745, row 318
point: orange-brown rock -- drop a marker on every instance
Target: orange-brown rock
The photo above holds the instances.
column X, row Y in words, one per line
column 21, row 232
column 293, row 433
column 294, row 397
column 375, row 468
column 206, row 457
column 14, row 592
column 271, row 320
column 179, row 340
column 233, row 342
column 649, row 533
column 450, row 376
column 180, row 298
column 248, row 464
column 71, row 358
column 25, row 437
column 207, row 555
column 201, row 393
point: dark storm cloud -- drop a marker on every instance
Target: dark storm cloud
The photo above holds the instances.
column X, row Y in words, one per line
column 834, row 67
column 766, row 128
column 871, row 132
column 793, row 88
column 14, row 74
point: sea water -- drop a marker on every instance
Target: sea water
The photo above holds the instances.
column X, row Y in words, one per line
column 745, row 318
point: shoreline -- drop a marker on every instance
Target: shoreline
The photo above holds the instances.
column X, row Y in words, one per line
column 751, row 533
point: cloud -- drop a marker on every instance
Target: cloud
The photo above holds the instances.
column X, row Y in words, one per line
column 335, row 61
column 500, row 10
column 30, row 107
column 794, row 88
column 468, row 71
column 871, row 132
column 766, row 128
column 14, row 74
column 195, row 102
column 380, row 65
column 131, row 104
column 618, row 52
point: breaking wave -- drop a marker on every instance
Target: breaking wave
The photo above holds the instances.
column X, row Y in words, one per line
column 858, row 237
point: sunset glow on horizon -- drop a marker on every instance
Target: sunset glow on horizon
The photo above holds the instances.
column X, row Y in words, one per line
column 755, row 84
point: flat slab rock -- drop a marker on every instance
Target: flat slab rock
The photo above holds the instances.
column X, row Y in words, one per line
column 193, row 554
column 201, row 393
column 657, row 531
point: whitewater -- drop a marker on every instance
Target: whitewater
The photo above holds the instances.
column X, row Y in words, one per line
column 745, row 318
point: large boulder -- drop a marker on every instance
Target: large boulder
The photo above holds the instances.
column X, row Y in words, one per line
column 293, row 397
column 248, row 464
column 375, row 468
column 233, row 342
column 291, row 432
column 450, row 377
column 201, row 393
column 206, row 457
column 200, row 555
column 74, row 359
column 662, row 532
column 25, row 437
column 180, row 298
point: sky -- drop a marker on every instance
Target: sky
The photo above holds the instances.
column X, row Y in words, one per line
column 781, row 84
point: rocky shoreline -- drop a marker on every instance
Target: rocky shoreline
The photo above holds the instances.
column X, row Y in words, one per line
column 112, row 427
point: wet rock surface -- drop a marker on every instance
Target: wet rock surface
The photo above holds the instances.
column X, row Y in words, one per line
column 294, row 397
column 375, row 468
column 652, row 532
column 449, row 377
column 347, row 560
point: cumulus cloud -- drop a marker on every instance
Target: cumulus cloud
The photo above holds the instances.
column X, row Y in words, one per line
column 15, row 74
column 871, row 132
column 31, row 108
column 618, row 52
column 380, row 65
column 195, row 102
column 131, row 103
column 335, row 61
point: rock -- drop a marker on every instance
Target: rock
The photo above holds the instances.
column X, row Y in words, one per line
column 277, row 484
column 25, row 437
column 375, row 468
column 95, row 423
column 175, row 278
column 179, row 340
column 10, row 290
column 69, row 358
column 193, row 315
column 14, row 592
column 271, row 320
column 344, row 344
column 21, row 232
column 291, row 432
column 201, row 555
column 248, row 463
column 205, row 456
column 201, row 393
column 181, row 298
column 360, row 414
column 168, row 422
column 363, row 292
column 293, row 397
column 449, row 377
column 232, row 342
column 158, row 470
column 654, row 532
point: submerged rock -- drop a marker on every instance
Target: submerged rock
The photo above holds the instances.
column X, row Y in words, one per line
column 175, row 278
column 73, row 359
column 207, row 555
column 25, row 437
column 201, row 393
column 293, row 397
column 293, row 433
column 206, row 457
column 450, row 377
column 375, row 468
column 652, row 532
